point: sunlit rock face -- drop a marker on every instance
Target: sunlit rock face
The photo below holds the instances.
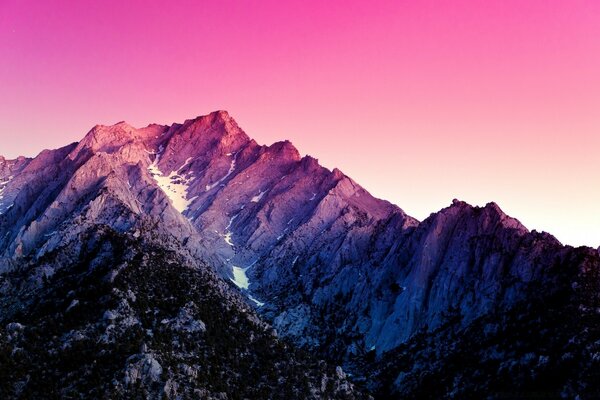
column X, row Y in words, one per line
column 329, row 266
column 109, row 290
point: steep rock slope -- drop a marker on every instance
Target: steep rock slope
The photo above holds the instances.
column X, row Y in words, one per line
column 547, row 345
column 8, row 170
column 104, row 294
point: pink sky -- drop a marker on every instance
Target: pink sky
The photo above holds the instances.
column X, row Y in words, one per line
column 419, row 101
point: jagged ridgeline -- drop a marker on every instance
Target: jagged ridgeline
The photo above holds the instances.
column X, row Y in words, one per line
column 188, row 260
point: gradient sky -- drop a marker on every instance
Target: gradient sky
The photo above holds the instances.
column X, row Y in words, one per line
column 419, row 101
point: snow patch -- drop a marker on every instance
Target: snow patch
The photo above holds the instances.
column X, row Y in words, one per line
column 228, row 234
column 258, row 303
column 231, row 222
column 3, row 186
column 231, row 169
column 227, row 238
column 258, row 197
column 175, row 186
column 240, row 278
column 283, row 233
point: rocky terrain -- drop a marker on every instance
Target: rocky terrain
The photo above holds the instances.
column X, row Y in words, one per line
column 210, row 265
column 115, row 316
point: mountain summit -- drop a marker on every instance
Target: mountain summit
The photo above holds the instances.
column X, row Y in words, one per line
column 189, row 259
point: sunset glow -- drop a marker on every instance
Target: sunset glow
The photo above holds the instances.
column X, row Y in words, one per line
column 418, row 101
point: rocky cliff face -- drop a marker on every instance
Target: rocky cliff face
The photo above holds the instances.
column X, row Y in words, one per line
column 105, row 291
column 546, row 344
column 331, row 268
column 8, row 170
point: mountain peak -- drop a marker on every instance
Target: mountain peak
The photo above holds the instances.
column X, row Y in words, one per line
column 124, row 125
column 338, row 174
column 285, row 149
column 121, row 125
column 18, row 159
column 216, row 124
column 491, row 213
column 495, row 211
column 219, row 116
column 106, row 138
column 493, row 206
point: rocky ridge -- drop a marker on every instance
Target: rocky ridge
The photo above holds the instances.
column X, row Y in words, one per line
column 330, row 267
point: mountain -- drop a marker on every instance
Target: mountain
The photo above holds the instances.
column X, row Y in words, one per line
column 294, row 258
column 104, row 293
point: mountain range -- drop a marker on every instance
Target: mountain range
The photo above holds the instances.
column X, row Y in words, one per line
column 188, row 261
